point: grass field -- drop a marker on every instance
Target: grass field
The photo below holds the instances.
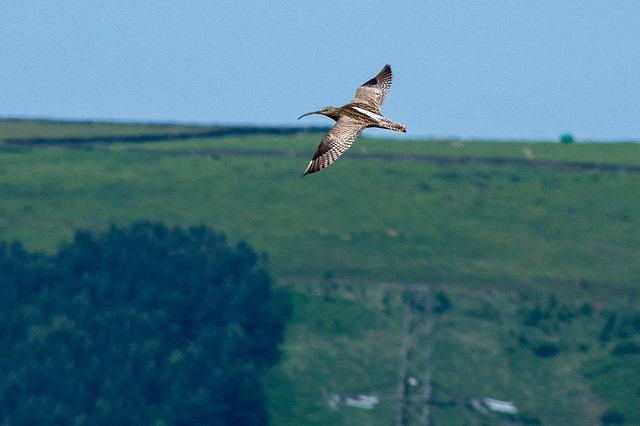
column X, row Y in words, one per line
column 392, row 220
column 53, row 129
column 509, row 231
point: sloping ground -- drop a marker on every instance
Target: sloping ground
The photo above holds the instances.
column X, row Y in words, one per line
column 438, row 159
column 536, row 253
column 49, row 132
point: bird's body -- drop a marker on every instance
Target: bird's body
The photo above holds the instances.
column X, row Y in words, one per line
column 351, row 119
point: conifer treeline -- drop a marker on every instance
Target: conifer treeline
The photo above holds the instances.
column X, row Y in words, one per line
column 145, row 325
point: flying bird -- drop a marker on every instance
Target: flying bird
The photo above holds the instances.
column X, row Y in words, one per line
column 351, row 119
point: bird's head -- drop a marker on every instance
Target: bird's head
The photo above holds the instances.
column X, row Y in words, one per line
column 329, row 111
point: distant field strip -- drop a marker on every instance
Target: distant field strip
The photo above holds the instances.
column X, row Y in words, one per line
column 438, row 159
column 207, row 132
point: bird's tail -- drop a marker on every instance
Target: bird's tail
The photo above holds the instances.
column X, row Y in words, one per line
column 392, row 125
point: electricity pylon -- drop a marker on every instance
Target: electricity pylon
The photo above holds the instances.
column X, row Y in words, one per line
column 414, row 386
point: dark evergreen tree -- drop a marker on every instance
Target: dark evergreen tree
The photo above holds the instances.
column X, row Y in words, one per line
column 136, row 326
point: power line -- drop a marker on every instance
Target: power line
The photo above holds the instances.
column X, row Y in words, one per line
column 414, row 388
column 414, row 385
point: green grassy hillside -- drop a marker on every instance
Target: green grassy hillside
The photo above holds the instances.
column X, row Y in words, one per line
column 364, row 219
column 501, row 228
column 17, row 129
column 495, row 344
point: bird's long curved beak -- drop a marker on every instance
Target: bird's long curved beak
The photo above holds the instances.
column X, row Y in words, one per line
column 309, row 113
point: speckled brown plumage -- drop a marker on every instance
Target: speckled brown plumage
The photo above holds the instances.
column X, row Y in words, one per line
column 351, row 119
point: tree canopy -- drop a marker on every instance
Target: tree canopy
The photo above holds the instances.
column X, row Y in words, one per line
column 145, row 325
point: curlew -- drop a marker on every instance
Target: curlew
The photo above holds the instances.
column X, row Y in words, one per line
column 351, row 119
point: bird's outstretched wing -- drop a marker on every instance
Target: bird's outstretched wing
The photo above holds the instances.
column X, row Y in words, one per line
column 373, row 91
column 334, row 143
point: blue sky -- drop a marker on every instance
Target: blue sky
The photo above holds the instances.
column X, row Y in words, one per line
column 487, row 69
